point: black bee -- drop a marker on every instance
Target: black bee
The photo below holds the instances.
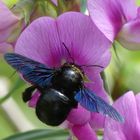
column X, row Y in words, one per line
column 61, row 90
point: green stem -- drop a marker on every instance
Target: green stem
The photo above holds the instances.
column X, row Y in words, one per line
column 115, row 50
column 18, row 84
column 103, row 75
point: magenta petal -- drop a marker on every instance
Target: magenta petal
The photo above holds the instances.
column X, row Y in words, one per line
column 128, row 8
column 129, row 35
column 84, row 132
column 138, row 104
column 106, row 16
column 84, row 41
column 34, row 99
column 7, row 20
column 130, row 129
column 79, row 116
column 40, row 42
column 109, row 16
column 96, row 85
column 97, row 121
column 54, row 1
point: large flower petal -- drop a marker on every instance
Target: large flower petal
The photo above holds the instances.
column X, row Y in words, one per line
column 85, row 42
column 126, row 105
column 109, row 16
column 40, row 42
column 82, row 42
column 129, row 35
column 106, row 16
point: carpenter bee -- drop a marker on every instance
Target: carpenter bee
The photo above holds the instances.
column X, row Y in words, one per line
column 61, row 90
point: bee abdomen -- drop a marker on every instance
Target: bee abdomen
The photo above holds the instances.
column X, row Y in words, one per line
column 53, row 107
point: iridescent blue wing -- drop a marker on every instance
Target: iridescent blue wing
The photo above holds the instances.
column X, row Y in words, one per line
column 34, row 72
column 94, row 103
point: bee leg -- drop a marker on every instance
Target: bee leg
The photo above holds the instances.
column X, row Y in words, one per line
column 27, row 94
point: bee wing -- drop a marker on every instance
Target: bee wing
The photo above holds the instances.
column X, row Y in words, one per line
column 34, row 72
column 94, row 103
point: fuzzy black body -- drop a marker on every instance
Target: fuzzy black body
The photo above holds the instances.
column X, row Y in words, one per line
column 68, row 80
column 56, row 101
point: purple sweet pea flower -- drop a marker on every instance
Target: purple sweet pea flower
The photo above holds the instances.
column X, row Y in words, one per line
column 129, row 106
column 42, row 41
column 117, row 20
column 7, row 23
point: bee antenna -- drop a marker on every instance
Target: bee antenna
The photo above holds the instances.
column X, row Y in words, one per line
column 91, row 66
column 68, row 52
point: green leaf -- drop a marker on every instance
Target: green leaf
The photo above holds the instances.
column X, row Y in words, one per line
column 39, row 135
column 68, row 5
column 10, row 3
column 45, row 8
column 23, row 9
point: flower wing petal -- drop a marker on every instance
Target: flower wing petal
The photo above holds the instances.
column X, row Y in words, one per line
column 106, row 16
column 129, row 35
column 109, row 16
column 84, row 41
column 40, row 42
column 7, row 20
column 126, row 105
